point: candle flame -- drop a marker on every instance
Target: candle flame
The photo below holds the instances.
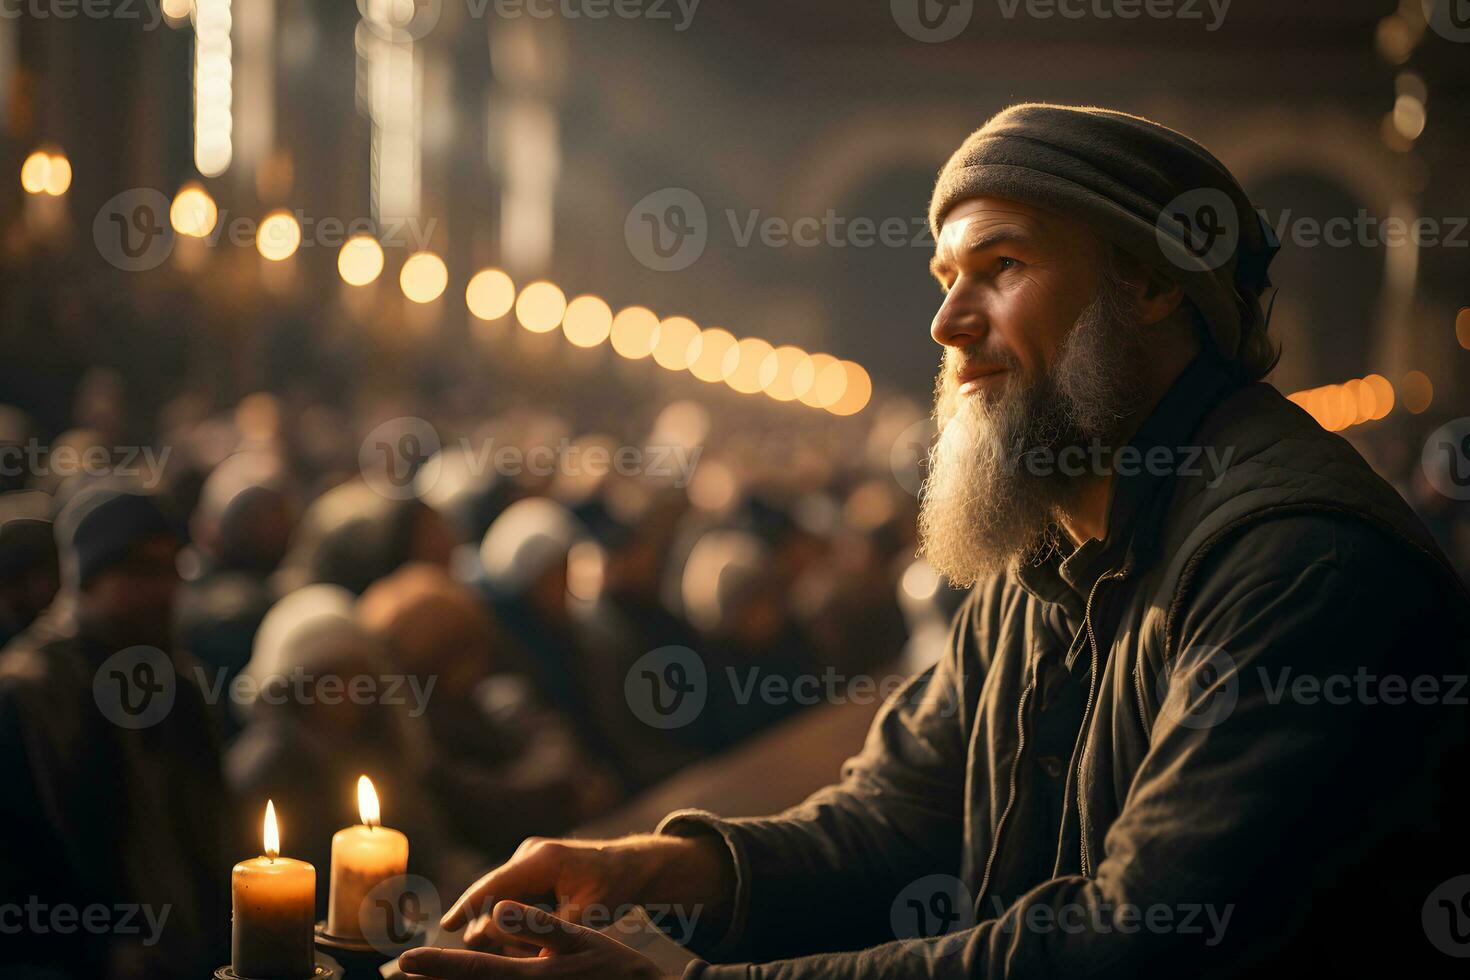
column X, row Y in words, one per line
column 272, row 833
column 367, row 802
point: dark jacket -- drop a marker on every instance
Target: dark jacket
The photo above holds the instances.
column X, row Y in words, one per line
column 1196, row 748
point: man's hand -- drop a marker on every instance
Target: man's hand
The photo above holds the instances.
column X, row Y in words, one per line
column 601, row 877
column 566, row 950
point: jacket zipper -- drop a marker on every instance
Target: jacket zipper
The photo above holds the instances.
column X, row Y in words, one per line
column 1148, row 729
column 1000, row 825
column 1087, row 716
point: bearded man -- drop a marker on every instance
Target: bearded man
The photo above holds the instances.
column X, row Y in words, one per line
column 1200, row 714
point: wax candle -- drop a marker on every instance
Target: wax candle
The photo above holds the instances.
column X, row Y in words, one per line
column 363, row 857
column 274, row 907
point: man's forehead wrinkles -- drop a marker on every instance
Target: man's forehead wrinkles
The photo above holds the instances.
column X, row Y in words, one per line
column 973, row 230
column 986, row 223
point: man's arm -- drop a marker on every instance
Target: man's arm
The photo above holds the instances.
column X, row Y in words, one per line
column 1260, row 814
column 805, row 878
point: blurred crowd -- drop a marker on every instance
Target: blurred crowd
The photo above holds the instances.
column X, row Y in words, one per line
column 492, row 581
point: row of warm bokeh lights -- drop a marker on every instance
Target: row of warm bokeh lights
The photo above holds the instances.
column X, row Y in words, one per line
column 711, row 354
column 1341, row 406
column 748, row 365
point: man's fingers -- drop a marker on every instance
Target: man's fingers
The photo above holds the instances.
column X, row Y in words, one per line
column 459, row 964
column 521, row 875
column 530, row 925
column 483, row 934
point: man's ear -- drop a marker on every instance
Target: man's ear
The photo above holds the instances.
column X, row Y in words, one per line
column 1157, row 296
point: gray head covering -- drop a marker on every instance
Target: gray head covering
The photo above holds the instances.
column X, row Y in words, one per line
column 1154, row 192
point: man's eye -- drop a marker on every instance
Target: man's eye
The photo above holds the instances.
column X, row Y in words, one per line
column 1004, row 263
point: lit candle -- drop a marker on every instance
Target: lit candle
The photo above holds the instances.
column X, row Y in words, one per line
column 275, row 905
column 363, row 857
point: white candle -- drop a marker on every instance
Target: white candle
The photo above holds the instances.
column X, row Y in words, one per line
column 274, row 901
column 363, row 857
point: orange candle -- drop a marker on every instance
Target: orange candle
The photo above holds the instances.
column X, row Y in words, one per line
column 274, row 906
column 363, row 857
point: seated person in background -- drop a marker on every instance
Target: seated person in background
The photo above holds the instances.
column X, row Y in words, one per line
column 109, row 759
column 240, row 532
column 849, row 604
column 352, row 536
column 523, row 575
column 624, row 621
column 30, row 574
column 500, row 765
column 307, row 737
column 749, row 639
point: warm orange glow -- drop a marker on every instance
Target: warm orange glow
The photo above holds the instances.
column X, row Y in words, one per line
column 33, row 173
column 1462, row 328
column 193, row 212
column 1417, row 391
column 1365, row 400
column 588, row 321
column 367, row 802
column 271, row 835
column 540, row 307
column 360, row 260
column 46, row 173
column 827, row 384
column 856, row 394
column 278, row 236
column 423, row 277
column 743, row 365
column 709, row 365
column 490, row 294
column 678, row 343
column 58, row 176
column 778, row 373
column 635, row 332
column 1382, row 394
column 1345, row 406
column 1340, row 406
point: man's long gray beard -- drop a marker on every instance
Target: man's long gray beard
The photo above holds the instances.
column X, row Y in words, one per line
column 994, row 495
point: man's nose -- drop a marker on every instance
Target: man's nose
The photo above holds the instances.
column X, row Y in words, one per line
column 958, row 324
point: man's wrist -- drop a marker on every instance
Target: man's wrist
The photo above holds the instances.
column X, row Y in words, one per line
column 694, row 874
column 722, row 916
